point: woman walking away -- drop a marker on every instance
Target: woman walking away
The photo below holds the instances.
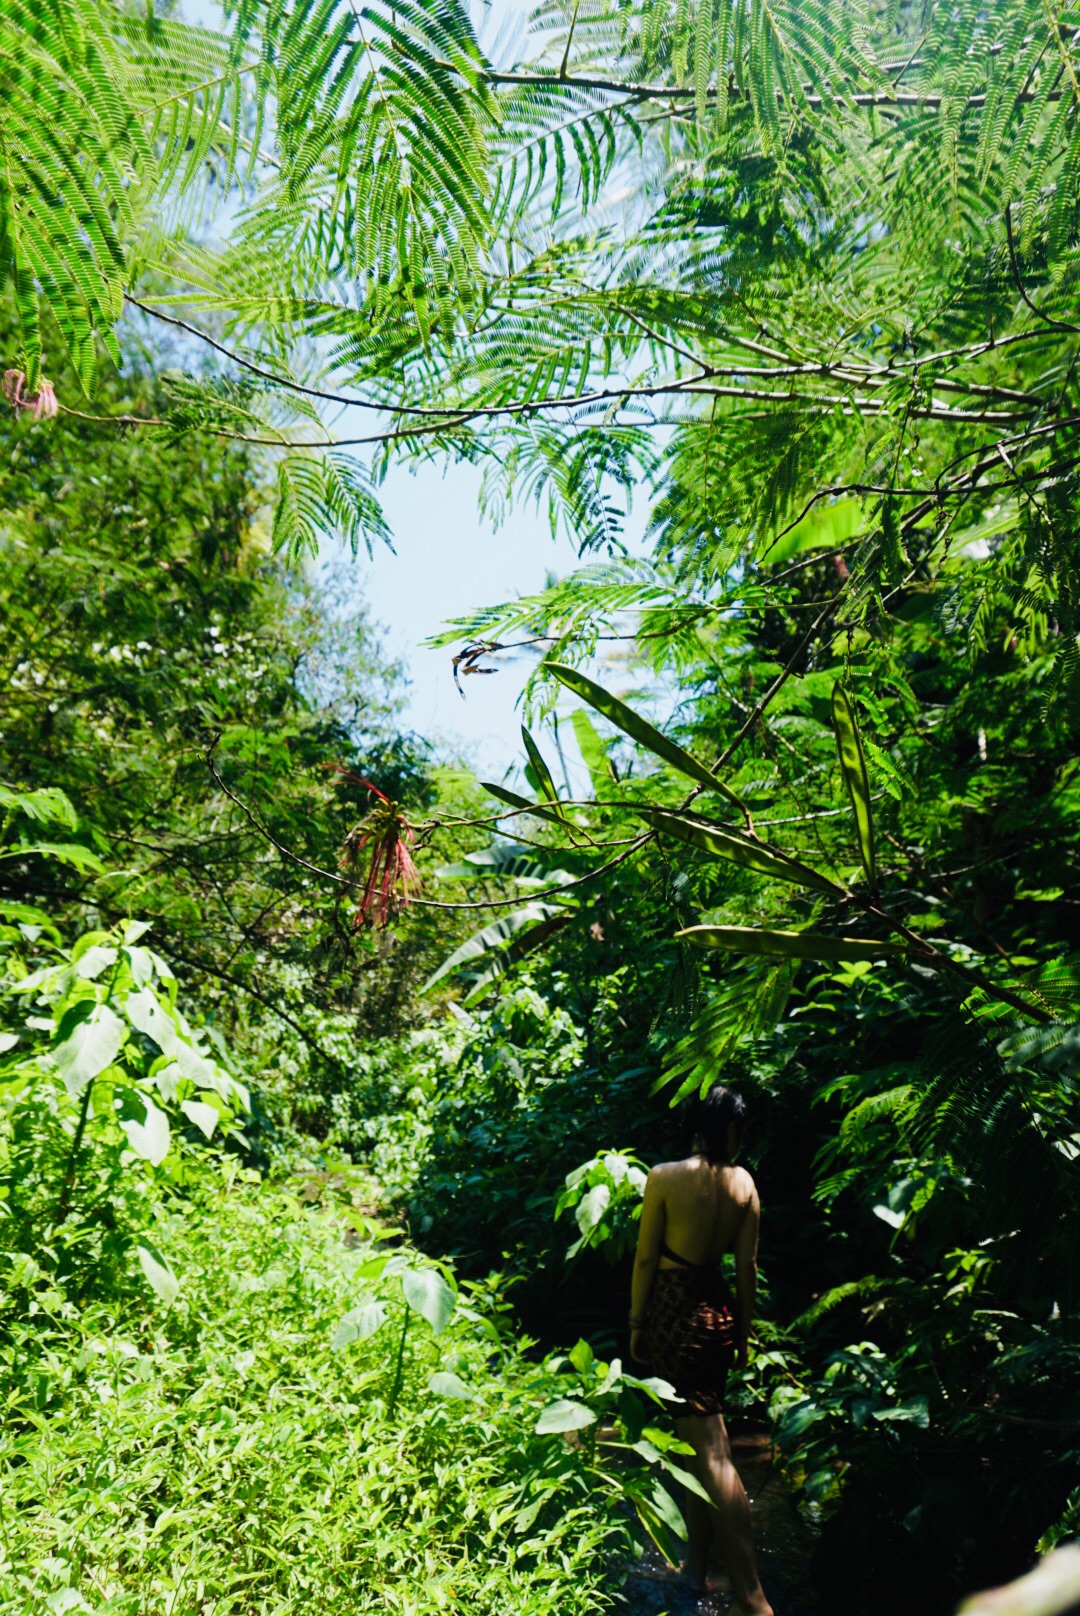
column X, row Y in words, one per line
column 685, row 1325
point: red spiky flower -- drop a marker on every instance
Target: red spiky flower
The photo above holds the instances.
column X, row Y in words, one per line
column 386, row 836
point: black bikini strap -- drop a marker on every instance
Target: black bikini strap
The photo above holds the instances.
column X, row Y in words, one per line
column 684, row 1262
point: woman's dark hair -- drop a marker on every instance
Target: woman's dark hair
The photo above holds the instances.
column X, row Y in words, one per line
column 713, row 1116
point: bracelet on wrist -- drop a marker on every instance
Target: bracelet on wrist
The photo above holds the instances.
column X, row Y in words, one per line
column 637, row 1324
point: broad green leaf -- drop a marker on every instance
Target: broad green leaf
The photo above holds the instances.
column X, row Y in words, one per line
column 43, row 977
column 374, row 1266
column 740, row 849
column 204, row 1116
column 158, row 1272
column 491, row 936
column 71, row 853
column 564, row 1415
column 93, row 1045
column 428, row 1294
column 149, row 1015
column 591, row 1207
column 540, row 768
column 204, row 1073
column 141, row 964
column 824, row 527
column 788, row 944
column 93, row 961
column 915, row 1409
column 639, row 729
column 654, row 1386
column 150, row 1138
column 582, row 1357
column 359, row 1323
column 513, row 800
column 146, row 1012
column 667, row 1509
column 446, row 1384
column 853, row 766
column 25, row 914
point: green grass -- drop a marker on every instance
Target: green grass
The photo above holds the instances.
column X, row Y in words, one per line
column 220, row 1456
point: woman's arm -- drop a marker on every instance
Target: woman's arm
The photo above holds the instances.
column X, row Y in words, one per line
column 746, row 1243
column 650, row 1238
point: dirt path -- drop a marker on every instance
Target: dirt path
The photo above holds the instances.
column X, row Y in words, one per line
column 784, row 1544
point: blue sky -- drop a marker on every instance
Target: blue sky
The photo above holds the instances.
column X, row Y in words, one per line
column 447, row 559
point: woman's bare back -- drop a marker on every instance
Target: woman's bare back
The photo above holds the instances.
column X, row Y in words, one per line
column 705, row 1205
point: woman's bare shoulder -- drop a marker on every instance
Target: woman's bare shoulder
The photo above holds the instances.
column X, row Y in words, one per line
column 742, row 1186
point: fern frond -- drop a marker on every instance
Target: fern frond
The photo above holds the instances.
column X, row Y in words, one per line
column 748, row 1005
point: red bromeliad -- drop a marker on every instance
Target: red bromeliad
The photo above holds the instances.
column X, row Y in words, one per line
column 392, row 877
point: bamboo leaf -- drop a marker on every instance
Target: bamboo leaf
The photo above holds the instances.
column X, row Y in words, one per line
column 513, row 800
column 592, row 750
column 853, row 766
column 727, row 844
column 540, row 768
column 639, row 729
column 786, row 944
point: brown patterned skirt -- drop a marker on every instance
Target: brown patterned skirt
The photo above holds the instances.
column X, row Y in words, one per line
column 692, row 1337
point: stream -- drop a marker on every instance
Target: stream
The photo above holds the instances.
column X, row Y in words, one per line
column 783, row 1540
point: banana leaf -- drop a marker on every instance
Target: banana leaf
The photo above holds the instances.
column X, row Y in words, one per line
column 493, row 935
column 508, row 861
column 524, row 943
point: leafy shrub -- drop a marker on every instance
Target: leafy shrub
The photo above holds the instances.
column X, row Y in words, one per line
column 107, row 1089
column 605, row 1194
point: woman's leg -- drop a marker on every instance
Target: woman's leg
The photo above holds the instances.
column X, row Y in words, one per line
column 715, row 1470
column 699, row 1533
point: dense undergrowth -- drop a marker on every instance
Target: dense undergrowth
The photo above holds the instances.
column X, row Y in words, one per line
column 220, row 1455
column 226, row 1391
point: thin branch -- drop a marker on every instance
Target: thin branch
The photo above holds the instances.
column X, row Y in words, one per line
column 274, row 1005
column 1048, row 319
column 931, row 100
column 546, row 892
column 286, row 853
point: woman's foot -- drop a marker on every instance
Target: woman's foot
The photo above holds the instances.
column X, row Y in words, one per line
column 695, row 1574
